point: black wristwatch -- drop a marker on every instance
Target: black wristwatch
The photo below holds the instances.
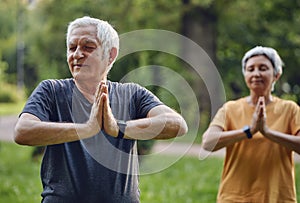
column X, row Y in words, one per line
column 122, row 125
column 247, row 131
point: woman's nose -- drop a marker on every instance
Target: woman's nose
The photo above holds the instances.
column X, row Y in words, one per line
column 256, row 72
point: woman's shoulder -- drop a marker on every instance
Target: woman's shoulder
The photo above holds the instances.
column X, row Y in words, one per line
column 285, row 103
column 236, row 103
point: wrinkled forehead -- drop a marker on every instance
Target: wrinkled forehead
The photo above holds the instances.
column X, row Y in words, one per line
column 86, row 34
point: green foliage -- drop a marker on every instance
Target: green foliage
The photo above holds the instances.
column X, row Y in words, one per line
column 270, row 23
column 8, row 37
column 267, row 23
column 291, row 97
column 42, row 27
column 11, row 108
column 8, row 93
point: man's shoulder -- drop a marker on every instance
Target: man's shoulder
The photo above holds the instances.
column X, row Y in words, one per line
column 57, row 83
column 127, row 85
column 129, row 88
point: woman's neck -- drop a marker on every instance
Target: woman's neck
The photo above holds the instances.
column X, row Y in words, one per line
column 253, row 99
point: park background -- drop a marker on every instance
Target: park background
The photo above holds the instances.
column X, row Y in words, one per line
column 32, row 48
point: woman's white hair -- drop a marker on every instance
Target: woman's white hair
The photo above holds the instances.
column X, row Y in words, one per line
column 268, row 52
column 106, row 34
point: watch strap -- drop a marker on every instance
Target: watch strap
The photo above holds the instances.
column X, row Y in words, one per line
column 122, row 125
column 247, row 131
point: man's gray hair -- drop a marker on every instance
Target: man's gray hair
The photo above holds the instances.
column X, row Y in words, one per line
column 269, row 52
column 106, row 34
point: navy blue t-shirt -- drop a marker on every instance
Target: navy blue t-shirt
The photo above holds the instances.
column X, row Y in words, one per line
column 98, row 169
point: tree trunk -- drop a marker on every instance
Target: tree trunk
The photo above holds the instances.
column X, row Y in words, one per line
column 200, row 25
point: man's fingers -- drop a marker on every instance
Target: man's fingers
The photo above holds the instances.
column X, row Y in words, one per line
column 105, row 103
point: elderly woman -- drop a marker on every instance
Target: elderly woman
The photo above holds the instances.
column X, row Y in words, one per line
column 260, row 133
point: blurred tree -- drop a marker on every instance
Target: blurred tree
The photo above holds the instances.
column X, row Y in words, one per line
column 8, row 38
column 267, row 23
column 224, row 29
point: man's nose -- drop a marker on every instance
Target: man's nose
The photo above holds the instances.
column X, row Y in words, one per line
column 78, row 53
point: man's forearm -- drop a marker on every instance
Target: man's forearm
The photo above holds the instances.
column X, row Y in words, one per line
column 35, row 132
column 165, row 126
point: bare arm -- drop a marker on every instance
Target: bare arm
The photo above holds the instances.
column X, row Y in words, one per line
column 289, row 141
column 30, row 130
column 215, row 138
column 161, row 123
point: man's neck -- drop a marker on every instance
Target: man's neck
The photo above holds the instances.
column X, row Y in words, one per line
column 88, row 88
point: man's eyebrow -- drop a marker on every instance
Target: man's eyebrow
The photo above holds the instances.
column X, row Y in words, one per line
column 94, row 41
column 71, row 42
column 89, row 40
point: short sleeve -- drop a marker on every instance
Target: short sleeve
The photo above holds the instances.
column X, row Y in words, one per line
column 144, row 101
column 295, row 123
column 40, row 102
column 219, row 119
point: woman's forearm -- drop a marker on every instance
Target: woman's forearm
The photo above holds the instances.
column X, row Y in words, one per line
column 289, row 141
column 214, row 138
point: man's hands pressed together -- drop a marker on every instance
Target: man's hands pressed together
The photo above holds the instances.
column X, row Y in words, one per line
column 101, row 117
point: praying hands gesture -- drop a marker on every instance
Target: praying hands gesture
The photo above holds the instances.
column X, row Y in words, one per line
column 259, row 117
column 101, row 117
column 161, row 122
column 259, row 125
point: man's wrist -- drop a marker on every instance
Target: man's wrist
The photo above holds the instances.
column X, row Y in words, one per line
column 122, row 126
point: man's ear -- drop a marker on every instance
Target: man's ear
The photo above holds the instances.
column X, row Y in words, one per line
column 112, row 54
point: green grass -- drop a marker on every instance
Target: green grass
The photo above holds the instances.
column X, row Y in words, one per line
column 186, row 181
column 19, row 175
column 11, row 108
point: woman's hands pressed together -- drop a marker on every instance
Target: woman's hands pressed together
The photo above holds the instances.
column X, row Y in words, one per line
column 259, row 117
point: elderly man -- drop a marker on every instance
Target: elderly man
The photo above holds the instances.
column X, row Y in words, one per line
column 90, row 125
